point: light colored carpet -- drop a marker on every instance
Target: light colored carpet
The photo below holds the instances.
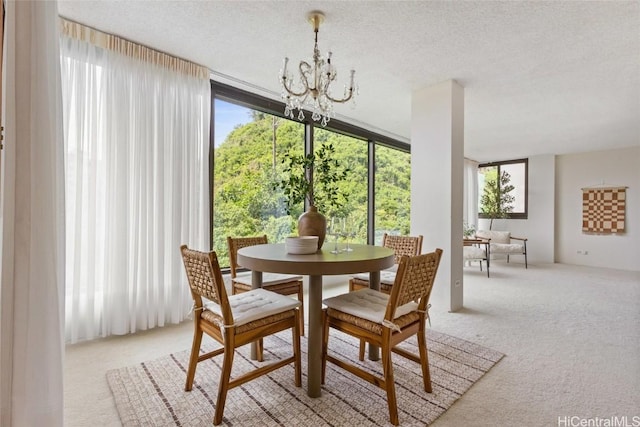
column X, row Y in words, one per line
column 152, row 393
column 571, row 333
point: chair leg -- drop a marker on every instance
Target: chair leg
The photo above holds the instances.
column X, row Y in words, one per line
column 301, row 299
column 389, row 382
column 525, row 255
column 424, row 360
column 297, row 364
column 325, row 343
column 260, row 350
column 225, row 376
column 361, row 350
column 507, row 259
column 193, row 360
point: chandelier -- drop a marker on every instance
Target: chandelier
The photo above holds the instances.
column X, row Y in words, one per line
column 312, row 90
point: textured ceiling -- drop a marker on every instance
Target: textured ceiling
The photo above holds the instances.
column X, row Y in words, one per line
column 539, row 77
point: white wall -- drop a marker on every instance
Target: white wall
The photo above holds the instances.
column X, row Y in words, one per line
column 437, row 146
column 539, row 227
column 575, row 171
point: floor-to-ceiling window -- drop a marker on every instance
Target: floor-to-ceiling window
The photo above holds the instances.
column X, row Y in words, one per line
column 250, row 138
column 352, row 153
column 249, row 147
column 392, row 192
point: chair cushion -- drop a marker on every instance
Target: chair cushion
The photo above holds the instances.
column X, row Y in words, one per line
column 495, row 236
column 502, row 248
column 387, row 276
column 367, row 304
column 473, row 252
column 267, row 278
column 255, row 304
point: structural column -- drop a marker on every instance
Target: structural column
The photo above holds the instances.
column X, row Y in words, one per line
column 437, row 158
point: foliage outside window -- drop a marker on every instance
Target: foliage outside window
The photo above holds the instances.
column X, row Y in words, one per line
column 503, row 190
column 246, row 165
column 315, row 178
column 392, row 192
column 248, row 152
column 351, row 153
column 496, row 200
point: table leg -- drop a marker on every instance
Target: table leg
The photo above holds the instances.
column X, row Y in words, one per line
column 256, row 282
column 374, row 283
column 314, row 332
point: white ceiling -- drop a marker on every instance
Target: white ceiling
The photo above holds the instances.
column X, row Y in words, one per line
column 540, row 77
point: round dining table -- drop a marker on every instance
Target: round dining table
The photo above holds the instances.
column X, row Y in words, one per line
column 273, row 258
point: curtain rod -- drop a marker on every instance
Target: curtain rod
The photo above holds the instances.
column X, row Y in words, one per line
column 131, row 49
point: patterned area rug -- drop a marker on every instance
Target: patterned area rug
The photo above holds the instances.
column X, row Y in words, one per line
column 152, row 393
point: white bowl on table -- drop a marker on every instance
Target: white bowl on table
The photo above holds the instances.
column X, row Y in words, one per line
column 301, row 245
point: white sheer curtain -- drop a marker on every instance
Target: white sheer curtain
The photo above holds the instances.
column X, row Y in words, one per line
column 31, row 333
column 470, row 203
column 136, row 140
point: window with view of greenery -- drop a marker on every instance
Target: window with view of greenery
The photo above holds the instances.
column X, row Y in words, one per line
column 392, row 192
column 246, row 163
column 351, row 153
column 248, row 148
column 514, row 178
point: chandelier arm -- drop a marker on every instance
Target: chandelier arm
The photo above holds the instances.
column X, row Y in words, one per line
column 340, row 101
column 290, row 92
column 347, row 97
column 304, row 82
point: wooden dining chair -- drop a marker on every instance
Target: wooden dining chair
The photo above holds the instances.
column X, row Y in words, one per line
column 283, row 284
column 401, row 245
column 385, row 321
column 235, row 321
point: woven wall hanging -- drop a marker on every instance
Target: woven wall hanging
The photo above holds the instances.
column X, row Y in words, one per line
column 603, row 209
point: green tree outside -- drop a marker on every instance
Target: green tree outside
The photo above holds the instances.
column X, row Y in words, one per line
column 246, row 201
column 496, row 200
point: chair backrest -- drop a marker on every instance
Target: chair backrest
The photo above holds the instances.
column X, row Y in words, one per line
column 414, row 281
column 236, row 243
column 205, row 280
column 403, row 245
column 495, row 236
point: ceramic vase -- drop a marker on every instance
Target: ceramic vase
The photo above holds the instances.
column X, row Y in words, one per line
column 313, row 223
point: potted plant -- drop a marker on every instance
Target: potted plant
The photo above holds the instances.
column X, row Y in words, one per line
column 496, row 202
column 468, row 230
column 314, row 178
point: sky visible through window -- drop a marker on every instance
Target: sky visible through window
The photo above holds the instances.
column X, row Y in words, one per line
column 227, row 117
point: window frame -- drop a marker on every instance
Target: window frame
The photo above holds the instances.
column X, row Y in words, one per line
column 266, row 105
column 498, row 164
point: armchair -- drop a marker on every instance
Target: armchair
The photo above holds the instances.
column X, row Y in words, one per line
column 502, row 242
column 477, row 250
